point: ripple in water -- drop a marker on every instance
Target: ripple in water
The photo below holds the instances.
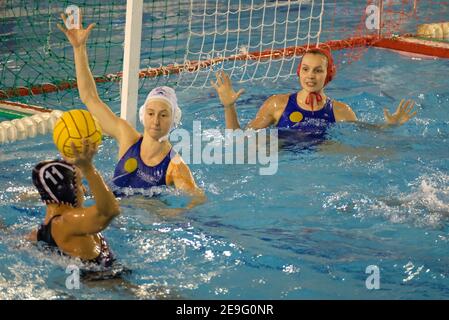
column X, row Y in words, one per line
column 425, row 205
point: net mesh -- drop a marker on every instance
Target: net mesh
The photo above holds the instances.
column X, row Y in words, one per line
column 185, row 41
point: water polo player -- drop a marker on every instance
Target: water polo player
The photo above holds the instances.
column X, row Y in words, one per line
column 308, row 110
column 145, row 160
column 69, row 227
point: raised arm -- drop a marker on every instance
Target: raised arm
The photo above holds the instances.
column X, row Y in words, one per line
column 228, row 97
column 91, row 220
column 110, row 123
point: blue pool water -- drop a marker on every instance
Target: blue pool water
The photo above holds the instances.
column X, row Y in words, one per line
column 366, row 197
column 381, row 197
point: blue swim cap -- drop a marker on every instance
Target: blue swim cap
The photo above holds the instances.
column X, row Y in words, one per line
column 56, row 182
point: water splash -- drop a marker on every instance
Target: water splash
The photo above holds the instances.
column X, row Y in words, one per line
column 425, row 205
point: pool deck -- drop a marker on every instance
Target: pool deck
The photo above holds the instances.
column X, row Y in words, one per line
column 433, row 48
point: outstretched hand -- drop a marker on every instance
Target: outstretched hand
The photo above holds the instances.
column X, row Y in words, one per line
column 83, row 159
column 226, row 93
column 77, row 37
column 403, row 113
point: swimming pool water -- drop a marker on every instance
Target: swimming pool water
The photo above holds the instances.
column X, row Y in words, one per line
column 381, row 197
column 367, row 197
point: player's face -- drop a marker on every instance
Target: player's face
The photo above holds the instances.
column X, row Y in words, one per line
column 157, row 119
column 313, row 72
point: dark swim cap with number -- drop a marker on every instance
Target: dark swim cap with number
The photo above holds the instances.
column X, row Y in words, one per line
column 56, row 182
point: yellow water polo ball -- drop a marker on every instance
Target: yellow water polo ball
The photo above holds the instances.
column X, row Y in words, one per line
column 74, row 126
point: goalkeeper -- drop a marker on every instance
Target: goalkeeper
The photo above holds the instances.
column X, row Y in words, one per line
column 309, row 109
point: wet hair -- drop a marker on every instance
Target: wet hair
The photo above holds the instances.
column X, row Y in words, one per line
column 56, row 182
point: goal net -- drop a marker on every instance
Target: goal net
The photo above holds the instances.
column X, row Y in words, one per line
column 184, row 42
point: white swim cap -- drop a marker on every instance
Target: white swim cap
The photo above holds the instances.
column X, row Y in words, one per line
column 167, row 95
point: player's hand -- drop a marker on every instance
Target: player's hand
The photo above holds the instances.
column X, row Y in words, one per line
column 77, row 37
column 226, row 93
column 83, row 159
column 403, row 113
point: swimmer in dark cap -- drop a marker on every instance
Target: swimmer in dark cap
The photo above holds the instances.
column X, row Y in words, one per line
column 68, row 226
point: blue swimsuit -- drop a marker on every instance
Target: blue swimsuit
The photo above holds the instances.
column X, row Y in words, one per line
column 301, row 129
column 295, row 117
column 132, row 172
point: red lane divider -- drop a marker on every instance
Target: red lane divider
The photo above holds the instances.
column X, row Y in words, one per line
column 413, row 45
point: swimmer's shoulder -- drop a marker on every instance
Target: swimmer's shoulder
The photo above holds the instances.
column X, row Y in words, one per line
column 127, row 136
column 126, row 144
column 278, row 100
column 276, row 104
column 343, row 112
